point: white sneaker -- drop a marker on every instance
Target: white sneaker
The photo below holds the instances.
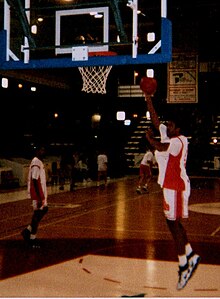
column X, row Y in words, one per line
column 193, row 260
column 184, row 276
column 145, row 188
column 138, row 190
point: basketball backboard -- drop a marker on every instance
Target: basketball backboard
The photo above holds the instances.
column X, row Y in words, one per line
column 84, row 33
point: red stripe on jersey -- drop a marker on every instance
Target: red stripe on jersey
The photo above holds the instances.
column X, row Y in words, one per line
column 172, row 178
column 33, row 193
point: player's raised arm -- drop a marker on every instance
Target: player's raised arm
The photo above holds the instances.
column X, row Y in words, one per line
column 153, row 114
column 149, row 87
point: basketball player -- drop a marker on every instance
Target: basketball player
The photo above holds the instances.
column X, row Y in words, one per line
column 171, row 156
column 37, row 191
column 102, row 162
column 145, row 172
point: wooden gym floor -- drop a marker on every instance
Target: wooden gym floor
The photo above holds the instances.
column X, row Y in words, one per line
column 108, row 242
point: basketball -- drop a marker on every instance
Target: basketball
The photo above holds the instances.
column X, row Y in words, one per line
column 148, row 85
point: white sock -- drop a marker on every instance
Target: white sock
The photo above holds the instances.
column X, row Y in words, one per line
column 188, row 249
column 29, row 228
column 33, row 237
column 182, row 260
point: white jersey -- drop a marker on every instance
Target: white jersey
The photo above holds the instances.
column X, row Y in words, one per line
column 148, row 158
column 102, row 161
column 37, row 171
column 162, row 157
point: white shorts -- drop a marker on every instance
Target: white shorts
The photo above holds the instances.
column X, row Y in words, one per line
column 175, row 203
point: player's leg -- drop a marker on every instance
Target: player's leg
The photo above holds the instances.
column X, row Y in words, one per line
column 105, row 178
column 36, row 218
column 99, row 177
column 192, row 258
column 172, row 214
column 140, row 180
column 147, row 179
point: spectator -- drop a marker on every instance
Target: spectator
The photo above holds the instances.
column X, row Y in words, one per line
column 74, row 170
column 63, row 171
column 54, row 173
column 82, row 167
column 102, row 162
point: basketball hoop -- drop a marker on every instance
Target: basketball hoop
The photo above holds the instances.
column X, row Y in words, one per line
column 95, row 78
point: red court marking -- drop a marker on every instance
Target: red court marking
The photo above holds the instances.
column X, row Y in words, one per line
column 112, row 280
column 84, row 269
column 205, row 290
column 155, row 288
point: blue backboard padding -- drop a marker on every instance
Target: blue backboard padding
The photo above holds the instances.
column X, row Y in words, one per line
column 2, row 47
column 164, row 56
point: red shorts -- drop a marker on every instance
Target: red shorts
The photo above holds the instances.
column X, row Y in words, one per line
column 144, row 170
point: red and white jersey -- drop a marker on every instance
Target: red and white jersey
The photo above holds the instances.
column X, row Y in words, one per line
column 37, row 171
column 175, row 175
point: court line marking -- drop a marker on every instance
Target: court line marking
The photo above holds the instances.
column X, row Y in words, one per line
column 215, row 231
column 63, row 205
column 212, row 208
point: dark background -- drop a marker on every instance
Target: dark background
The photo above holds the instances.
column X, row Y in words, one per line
column 26, row 117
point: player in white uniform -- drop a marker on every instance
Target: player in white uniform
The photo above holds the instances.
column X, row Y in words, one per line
column 102, row 163
column 145, row 171
column 171, row 155
column 37, row 191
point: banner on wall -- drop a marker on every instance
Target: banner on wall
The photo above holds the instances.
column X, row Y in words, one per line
column 183, row 79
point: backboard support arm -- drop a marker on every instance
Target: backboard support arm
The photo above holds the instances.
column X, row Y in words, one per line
column 118, row 21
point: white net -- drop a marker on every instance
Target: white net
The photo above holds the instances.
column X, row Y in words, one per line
column 94, row 78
